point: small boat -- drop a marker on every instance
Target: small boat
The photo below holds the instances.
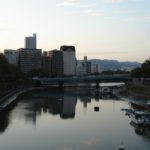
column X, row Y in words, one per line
column 128, row 111
column 148, row 105
column 121, row 147
column 140, row 118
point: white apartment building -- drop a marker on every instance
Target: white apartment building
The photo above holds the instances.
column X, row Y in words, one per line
column 69, row 60
column 83, row 67
column 95, row 68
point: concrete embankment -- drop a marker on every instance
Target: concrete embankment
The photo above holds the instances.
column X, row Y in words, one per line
column 137, row 90
column 8, row 99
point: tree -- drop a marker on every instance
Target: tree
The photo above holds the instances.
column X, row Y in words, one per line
column 144, row 71
column 10, row 76
column 137, row 73
column 146, row 68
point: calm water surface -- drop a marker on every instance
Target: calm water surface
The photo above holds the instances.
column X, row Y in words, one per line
column 54, row 119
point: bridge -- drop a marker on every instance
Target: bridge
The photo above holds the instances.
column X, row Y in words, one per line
column 83, row 79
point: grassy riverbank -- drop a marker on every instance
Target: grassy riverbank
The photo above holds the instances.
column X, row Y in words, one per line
column 138, row 90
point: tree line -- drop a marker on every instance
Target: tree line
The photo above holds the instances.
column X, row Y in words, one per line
column 143, row 71
column 10, row 76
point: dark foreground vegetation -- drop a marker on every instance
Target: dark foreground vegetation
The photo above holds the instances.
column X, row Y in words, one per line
column 143, row 71
column 11, row 77
column 137, row 91
column 140, row 87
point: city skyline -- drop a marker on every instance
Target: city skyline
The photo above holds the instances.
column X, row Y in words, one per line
column 102, row 29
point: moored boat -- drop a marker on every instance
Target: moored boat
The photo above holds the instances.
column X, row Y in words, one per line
column 121, row 147
column 140, row 118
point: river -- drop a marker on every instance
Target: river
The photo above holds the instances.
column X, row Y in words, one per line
column 66, row 119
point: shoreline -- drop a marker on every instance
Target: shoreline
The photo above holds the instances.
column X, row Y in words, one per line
column 137, row 90
column 7, row 100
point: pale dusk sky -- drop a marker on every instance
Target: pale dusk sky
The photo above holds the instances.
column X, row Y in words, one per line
column 102, row 29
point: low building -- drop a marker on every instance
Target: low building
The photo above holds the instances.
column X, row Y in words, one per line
column 83, row 67
column 95, row 68
column 11, row 56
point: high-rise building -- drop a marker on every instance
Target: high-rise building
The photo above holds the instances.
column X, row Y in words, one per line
column 29, row 59
column 89, row 66
column 69, row 60
column 56, row 57
column 30, row 42
column 11, row 56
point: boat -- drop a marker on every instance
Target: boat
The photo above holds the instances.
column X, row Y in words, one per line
column 121, row 147
column 140, row 118
column 128, row 111
column 148, row 105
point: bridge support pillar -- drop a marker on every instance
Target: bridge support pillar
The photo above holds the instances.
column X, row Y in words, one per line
column 97, row 84
column 60, row 83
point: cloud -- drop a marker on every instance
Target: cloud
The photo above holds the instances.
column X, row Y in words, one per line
column 101, row 53
column 94, row 12
column 114, row 1
column 117, row 1
column 120, row 1
column 3, row 29
column 122, row 11
column 83, row 6
column 70, row 2
column 147, row 18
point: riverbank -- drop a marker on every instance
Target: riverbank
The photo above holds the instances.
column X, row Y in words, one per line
column 8, row 99
column 137, row 90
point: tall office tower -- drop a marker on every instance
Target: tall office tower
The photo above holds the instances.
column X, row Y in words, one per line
column 29, row 59
column 56, row 57
column 87, row 65
column 30, row 42
column 11, row 56
column 69, row 60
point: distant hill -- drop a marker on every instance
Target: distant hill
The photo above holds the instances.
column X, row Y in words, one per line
column 114, row 64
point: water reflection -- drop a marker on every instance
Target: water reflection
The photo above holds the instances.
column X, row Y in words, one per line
column 142, row 130
column 54, row 101
column 5, row 118
column 4, row 121
column 52, row 114
column 139, row 107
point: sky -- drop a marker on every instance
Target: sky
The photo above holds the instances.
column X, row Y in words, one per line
column 101, row 29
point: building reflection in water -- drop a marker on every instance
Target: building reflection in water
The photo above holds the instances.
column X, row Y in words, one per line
column 53, row 101
column 69, row 106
